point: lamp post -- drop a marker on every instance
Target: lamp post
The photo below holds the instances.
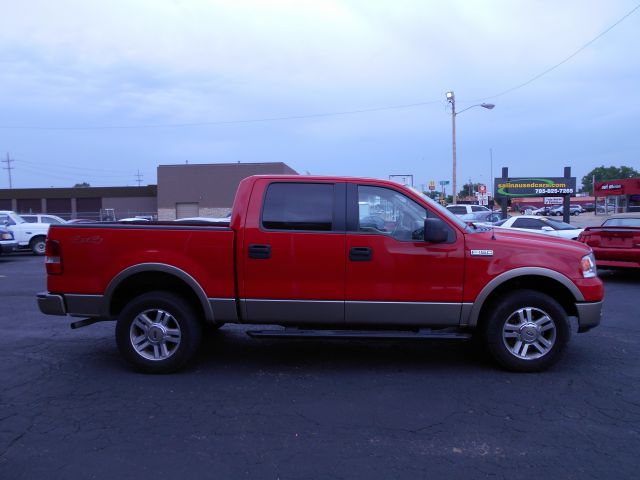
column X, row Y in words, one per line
column 451, row 98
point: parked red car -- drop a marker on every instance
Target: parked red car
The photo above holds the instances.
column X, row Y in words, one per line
column 616, row 243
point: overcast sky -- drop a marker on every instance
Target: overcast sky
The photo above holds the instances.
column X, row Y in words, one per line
column 72, row 70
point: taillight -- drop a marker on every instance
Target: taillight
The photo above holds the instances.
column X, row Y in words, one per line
column 53, row 257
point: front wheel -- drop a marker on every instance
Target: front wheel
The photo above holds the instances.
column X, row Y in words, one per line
column 158, row 332
column 37, row 245
column 527, row 332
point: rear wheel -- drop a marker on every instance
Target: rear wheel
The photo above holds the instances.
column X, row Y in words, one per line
column 158, row 332
column 527, row 332
column 37, row 245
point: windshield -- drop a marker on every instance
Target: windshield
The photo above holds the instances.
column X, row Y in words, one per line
column 622, row 222
column 440, row 209
column 5, row 219
column 558, row 225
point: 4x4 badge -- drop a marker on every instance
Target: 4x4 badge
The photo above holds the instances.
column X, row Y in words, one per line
column 482, row 253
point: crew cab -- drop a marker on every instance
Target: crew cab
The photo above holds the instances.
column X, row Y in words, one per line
column 324, row 257
column 28, row 235
column 616, row 243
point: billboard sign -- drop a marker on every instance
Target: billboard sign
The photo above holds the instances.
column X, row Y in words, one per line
column 534, row 187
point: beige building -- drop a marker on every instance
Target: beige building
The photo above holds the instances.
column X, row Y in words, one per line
column 187, row 190
column 206, row 190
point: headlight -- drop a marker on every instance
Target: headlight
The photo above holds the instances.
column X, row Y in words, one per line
column 588, row 266
column 7, row 236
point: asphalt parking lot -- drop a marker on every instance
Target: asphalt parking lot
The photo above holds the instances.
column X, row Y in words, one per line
column 71, row 408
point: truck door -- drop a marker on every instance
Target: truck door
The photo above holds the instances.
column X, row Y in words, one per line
column 393, row 275
column 293, row 253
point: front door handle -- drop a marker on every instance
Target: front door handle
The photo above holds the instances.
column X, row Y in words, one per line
column 260, row 252
column 360, row 254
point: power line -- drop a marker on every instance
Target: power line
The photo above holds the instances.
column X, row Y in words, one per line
column 139, row 177
column 75, row 167
column 319, row 115
column 565, row 60
column 223, row 122
column 45, row 172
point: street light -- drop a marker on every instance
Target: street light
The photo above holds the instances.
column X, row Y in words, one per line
column 451, row 98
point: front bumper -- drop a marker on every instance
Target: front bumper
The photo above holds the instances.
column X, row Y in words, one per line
column 8, row 247
column 589, row 315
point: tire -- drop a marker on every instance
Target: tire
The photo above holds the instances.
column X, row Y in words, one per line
column 37, row 245
column 158, row 332
column 528, row 331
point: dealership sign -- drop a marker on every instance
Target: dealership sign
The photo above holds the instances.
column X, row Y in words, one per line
column 535, row 187
column 611, row 188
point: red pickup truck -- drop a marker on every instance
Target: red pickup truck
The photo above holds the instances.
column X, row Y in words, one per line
column 326, row 257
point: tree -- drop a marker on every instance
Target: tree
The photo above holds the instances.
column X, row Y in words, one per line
column 81, row 185
column 468, row 190
column 603, row 173
column 433, row 194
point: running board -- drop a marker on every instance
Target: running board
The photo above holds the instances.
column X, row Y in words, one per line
column 424, row 334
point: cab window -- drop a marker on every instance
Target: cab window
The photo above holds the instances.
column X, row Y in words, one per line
column 387, row 212
column 298, row 206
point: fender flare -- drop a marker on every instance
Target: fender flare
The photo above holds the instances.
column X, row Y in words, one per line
column 157, row 267
column 474, row 312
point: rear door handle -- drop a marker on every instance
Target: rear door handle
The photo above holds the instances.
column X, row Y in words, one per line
column 360, row 254
column 260, row 252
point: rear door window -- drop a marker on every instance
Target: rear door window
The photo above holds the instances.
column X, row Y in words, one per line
column 299, row 206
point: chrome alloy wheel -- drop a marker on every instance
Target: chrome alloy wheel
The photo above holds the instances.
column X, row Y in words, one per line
column 529, row 333
column 155, row 334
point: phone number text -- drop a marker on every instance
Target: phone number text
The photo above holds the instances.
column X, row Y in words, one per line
column 554, row 190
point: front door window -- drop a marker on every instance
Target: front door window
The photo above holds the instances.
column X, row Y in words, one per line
column 385, row 211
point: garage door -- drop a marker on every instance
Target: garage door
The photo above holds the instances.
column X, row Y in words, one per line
column 186, row 210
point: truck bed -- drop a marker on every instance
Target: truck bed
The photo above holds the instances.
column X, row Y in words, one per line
column 102, row 251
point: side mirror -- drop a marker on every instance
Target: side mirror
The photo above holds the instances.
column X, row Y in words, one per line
column 435, row 230
column 547, row 229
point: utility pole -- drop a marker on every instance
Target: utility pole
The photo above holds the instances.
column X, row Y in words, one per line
column 451, row 98
column 491, row 173
column 8, row 167
column 139, row 177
